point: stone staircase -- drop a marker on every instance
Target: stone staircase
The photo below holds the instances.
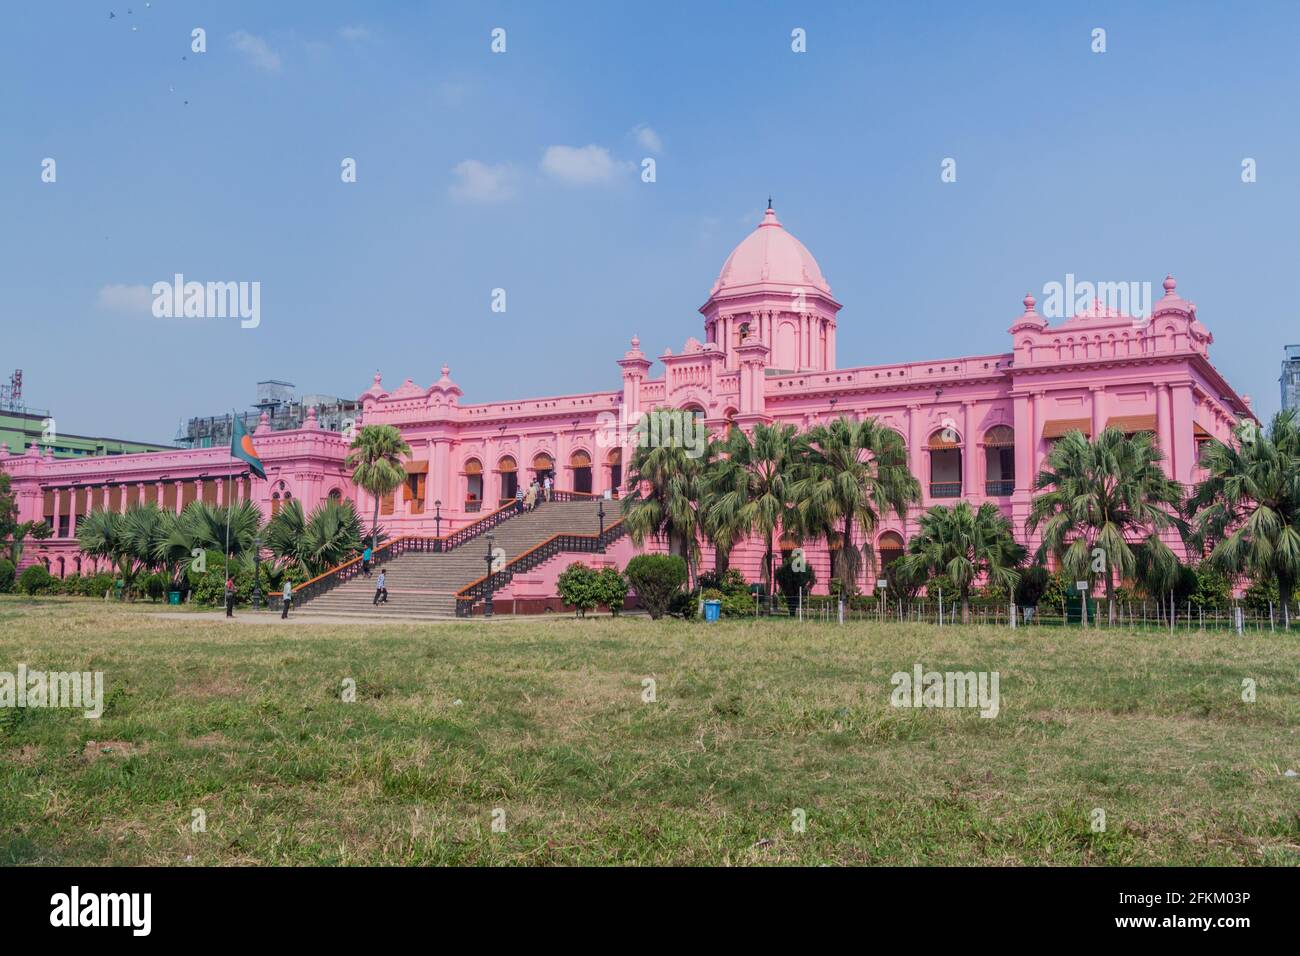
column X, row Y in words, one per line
column 423, row 585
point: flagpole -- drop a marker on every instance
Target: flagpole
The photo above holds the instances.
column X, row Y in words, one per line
column 228, row 505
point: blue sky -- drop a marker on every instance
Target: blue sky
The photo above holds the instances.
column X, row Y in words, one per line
column 521, row 171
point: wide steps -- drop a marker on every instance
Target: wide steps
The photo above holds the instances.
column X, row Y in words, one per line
column 423, row 585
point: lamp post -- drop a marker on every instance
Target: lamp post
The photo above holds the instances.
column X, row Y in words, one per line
column 437, row 519
column 257, row 572
column 487, row 601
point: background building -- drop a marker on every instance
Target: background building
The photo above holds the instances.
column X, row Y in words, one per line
column 1290, row 379
column 284, row 411
column 20, row 426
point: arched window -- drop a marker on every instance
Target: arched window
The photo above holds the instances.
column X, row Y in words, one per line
column 580, row 462
column 509, row 472
column 473, row 484
column 945, row 464
column 336, row 495
column 999, row 461
column 275, row 503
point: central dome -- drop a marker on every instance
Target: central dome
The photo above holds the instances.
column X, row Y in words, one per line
column 770, row 256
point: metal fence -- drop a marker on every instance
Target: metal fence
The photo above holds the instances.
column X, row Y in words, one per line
column 1131, row 616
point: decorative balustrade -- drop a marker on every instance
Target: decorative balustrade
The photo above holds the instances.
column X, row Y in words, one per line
column 557, row 544
column 945, row 489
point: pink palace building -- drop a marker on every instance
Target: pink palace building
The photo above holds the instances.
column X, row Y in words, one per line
column 977, row 427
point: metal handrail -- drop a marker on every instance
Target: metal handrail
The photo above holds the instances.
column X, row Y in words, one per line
column 556, row 544
column 403, row 544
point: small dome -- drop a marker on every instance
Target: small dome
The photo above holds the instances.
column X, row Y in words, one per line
column 770, row 256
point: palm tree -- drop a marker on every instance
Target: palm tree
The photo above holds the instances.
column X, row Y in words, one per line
column 1102, row 498
column 228, row 532
column 749, row 491
column 965, row 544
column 665, row 484
column 375, row 458
column 329, row 536
column 1248, row 508
column 853, row 473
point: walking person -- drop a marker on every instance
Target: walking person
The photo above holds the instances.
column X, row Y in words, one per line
column 530, row 499
column 287, row 599
column 550, row 487
column 519, row 499
column 380, row 590
column 366, row 555
column 230, row 597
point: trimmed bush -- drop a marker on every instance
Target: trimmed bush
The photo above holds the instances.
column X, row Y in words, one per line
column 1033, row 584
column 34, row 579
column 6, row 575
column 611, row 589
column 656, row 578
column 578, row 588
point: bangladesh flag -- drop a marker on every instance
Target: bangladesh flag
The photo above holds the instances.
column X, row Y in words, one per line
column 241, row 447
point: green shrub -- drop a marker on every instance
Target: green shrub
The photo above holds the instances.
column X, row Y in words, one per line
column 611, row 589
column 729, row 581
column 578, row 588
column 789, row 581
column 6, row 575
column 656, row 579
column 1033, row 584
column 155, row 586
column 34, row 579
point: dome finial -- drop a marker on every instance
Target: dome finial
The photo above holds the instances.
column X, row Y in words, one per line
column 769, row 200
column 1170, row 284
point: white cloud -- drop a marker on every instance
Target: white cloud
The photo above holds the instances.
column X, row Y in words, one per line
column 256, row 49
column 478, row 182
column 354, row 32
column 581, row 164
column 648, row 139
column 128, row 299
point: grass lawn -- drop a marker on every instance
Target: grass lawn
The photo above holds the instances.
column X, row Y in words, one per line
column 543, row 719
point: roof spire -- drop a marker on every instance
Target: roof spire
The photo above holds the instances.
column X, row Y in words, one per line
column 769, row 200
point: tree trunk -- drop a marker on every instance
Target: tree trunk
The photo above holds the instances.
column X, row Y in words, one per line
column 1285, row 588
column 965, row 605
column 767, row 568
column 847, row 567
column 721, row 561
column 374, row 528
column 1110, row 596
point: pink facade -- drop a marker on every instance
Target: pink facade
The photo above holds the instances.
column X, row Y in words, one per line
column 976, row 427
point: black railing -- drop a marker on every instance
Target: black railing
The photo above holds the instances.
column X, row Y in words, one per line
column 473, row 593
column 945, row 489
column 406, row 544
column 999, row 488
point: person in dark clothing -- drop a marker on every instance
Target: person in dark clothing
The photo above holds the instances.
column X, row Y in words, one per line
column 230, row 597
column 287, row 599
column 366, row 557
column 381, row 590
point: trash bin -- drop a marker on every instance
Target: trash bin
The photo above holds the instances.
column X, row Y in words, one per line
column 712, row 610
column 173, row 597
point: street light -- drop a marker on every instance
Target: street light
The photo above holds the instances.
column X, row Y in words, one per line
column 601, row 515
column 257, row 572
column 487, row 601
column 437, row 519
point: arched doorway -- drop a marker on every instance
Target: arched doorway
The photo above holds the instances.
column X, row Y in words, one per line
column 580, row 462
column 889, row 549
column 999, row 461
column 509, row 472
column 473, row 485
column 945, row 464
column 543, row 467
column 614, row 461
